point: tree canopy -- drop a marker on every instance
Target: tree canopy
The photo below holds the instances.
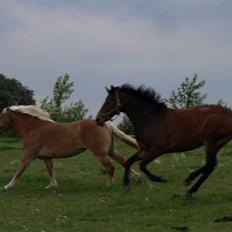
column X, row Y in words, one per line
column 188, row 94
column 12, row 92
column 56, row 107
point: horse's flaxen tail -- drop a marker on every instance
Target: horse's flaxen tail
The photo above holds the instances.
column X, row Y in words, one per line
column 122, row 136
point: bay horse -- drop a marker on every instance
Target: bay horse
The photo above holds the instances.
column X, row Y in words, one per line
column 47, row 140
column 160, row 130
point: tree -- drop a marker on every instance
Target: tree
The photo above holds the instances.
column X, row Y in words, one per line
column 12, row 92
column 126, row 126
column 62, row 91
column 188, row 94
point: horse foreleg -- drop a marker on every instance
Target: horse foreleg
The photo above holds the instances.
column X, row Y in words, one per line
column 49, row 166
column 121, row 160
column 151, row 176
column 129, row 162
column 24, row 162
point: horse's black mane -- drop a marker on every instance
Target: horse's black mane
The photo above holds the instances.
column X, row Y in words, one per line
column 144, row 93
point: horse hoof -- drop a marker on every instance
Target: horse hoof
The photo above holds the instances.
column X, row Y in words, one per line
column 162, row 180
column 188, row 195
column 175, row 195
column 51, row 186
column 4, row 189
column 127, row 189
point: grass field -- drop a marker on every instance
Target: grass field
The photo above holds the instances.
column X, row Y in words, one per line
column 83, row 202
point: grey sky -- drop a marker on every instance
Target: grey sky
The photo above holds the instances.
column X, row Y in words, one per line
column 102, row 42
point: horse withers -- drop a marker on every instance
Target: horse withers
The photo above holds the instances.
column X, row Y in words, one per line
column 160, row 130
column 47, row 140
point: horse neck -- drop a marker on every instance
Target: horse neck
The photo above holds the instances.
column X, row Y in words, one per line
column 22, row 124
column 140, row 113
column 133, row 108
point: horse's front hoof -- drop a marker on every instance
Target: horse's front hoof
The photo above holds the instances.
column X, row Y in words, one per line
column 188, row 195
column 4, row 189
column 51, row 187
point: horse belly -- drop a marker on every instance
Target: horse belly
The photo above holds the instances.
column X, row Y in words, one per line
column 56, row 154
column 186, row 142
column 58, row 147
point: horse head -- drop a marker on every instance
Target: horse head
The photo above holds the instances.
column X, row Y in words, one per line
column 111, row 106
column 4, row 120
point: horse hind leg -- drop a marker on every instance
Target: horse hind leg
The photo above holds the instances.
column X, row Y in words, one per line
column 212, row 148
column 49, row 166
column 193, row 175
column 209, row 168
column 211, row 163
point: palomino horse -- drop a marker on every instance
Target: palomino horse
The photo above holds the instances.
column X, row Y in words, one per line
column 160, row 130
column 46, row 140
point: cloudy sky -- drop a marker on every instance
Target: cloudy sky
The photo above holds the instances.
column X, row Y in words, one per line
column 102, row 42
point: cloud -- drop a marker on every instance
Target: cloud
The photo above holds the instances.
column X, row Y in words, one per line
column 114, row 43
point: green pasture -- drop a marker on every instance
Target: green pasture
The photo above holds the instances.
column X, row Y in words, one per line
column 83, row 201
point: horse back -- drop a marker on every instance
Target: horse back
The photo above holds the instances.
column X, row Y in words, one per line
column 186, row 129
column 200, row 124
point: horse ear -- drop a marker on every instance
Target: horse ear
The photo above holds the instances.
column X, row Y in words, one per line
column 107, row 89
column 112, row 87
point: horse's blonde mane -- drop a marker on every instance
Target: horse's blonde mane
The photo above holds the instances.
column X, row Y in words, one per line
column 33, row 111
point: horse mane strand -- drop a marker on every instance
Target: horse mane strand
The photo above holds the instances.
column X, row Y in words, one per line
column 145, row 93
column 33, row 111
